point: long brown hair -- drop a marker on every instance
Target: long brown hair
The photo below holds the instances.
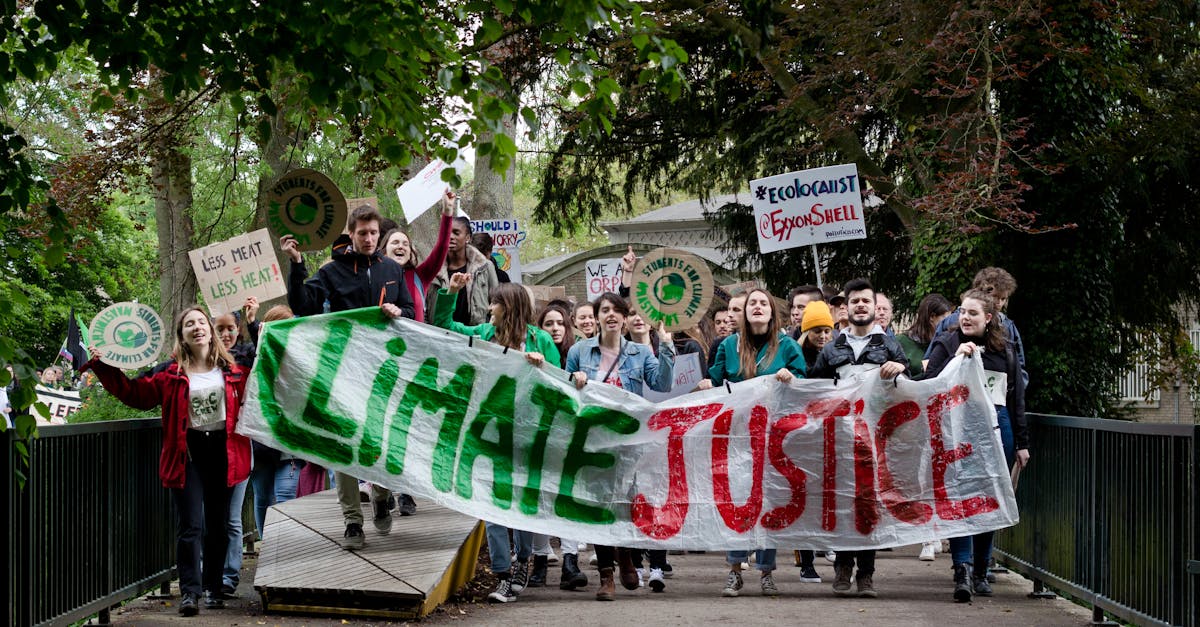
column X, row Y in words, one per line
column 218, row 357
column 411, row 264
column 995, row 338
column 516, row 313
column 568, row 337
column 619, row 304
column 747, row 354
column 932, row 306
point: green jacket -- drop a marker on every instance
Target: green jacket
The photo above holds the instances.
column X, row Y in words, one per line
column 536, row 340
column 725, row 364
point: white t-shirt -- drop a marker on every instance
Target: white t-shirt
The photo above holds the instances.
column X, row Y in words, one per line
column 206, row 400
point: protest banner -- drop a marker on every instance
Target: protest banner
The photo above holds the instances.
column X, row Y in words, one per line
column 506, row 241
column 62, row 403
column 808, row 207
column 307, row 205
column 129, row 335
column 686, row 373
column 602, row 275
column 857, row 463
column 671, row 286
column 231, row 271
column 422, row 191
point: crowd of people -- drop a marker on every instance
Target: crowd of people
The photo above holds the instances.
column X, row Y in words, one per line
column 815, row 333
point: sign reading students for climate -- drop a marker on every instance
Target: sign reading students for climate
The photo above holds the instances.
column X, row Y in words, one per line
column 306, row 205
column 506, row 241
column 854, row 464
column 672, row 287
column 231, row 271
column 808, row 207
column 129, row 335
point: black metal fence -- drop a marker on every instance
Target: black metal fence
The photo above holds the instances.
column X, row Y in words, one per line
column 1109, row 515
column 93, row 526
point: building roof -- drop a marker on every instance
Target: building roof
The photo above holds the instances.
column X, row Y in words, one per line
column 686, row 211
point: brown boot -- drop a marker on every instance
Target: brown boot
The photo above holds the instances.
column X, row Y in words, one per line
column 608, row 589
column 629, row 574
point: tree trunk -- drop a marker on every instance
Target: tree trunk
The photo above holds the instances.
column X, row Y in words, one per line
column 493, row 193
column 171, row 176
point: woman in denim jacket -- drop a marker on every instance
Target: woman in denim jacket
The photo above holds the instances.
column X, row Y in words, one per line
column 610, row 358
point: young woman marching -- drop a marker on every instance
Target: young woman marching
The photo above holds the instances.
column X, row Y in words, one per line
column 555, row 319
column 915, row 341
column 980, row 330
column 511, row 327
column 610, row 358
column 759, row 349
column 202, row 458
column 397, row 245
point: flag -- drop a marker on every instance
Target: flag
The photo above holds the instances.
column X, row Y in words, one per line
column 75, row 346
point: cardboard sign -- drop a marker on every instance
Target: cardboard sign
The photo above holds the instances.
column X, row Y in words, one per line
column 687, row 374
column 859, row 463
column 602, row 275
column 808, row 207
column 129, row 335
column 422, row 191
column 673, row 287
column 506, row 241
column 306, row 205
column 62, row 403
column 542, row 294
column 365, row 201
column 231, row 271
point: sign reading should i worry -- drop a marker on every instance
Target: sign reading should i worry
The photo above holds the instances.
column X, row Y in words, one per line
column 808, row 207
column 854, row 464
column 231, row 271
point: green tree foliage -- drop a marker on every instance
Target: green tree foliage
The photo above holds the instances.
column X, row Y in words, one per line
column 1055, row 140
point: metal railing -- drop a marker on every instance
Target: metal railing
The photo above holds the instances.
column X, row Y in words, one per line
column 1109, row 515
column 93, row 526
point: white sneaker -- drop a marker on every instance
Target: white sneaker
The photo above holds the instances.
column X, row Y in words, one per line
column 592, row 559
column 830, row 556
column 928, row 550
column 582, row 546
column 656, row 580
column 745, row 566
column 552, row 558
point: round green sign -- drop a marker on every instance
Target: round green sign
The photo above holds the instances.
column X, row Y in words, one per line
column 673, row 287
column 306, row 205
column 129, row 335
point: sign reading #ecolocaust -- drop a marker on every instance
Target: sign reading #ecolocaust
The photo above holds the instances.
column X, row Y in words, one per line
column 808, row 207
column 129, row 335
column 306, row 205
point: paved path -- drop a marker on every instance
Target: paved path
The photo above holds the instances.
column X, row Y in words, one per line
column 911, row 592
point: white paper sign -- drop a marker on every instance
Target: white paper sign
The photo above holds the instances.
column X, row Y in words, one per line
column 808, row 207
column 422, row 191
column 62, row 403
column 506, row 241
column 602, row 275
column 687, row 373
column 231, row 271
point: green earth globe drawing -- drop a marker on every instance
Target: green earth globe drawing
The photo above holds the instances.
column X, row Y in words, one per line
column 670, row 288
column 130, row 335
column 302, row 208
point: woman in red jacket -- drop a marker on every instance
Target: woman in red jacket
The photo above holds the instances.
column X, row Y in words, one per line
column 202, row 458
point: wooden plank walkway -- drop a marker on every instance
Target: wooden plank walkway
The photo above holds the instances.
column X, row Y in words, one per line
column 405, row 574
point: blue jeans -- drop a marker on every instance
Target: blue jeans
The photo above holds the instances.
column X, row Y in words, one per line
column 764, row 561
column 272, row 486
column 977, row 549
column 233, row 556
column 500, row 550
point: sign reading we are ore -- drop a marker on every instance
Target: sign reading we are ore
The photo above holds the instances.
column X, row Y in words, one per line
column 808, row 207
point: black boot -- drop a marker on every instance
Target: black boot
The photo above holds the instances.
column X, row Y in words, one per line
column 962, row 582
column 571, row 576
column 537, row 578
column 980, row 580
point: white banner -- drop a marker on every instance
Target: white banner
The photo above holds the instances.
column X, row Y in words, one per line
column 506, row 242
column 808, row 207
column 860, row 463
column 62, row 403
column 231, row 271
column 602, row 275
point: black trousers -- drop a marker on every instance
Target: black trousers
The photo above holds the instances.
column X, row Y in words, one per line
column 202, row 509
column 865, row 559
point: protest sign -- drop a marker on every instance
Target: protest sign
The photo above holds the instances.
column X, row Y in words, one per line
column 602, row 275
column 365, row 201
column 422, row 191
column 671, row 286
column 854, row 464
column 231, row 271
column 62, row 403
column 306, row 205
column 129, row 335
column 506, row 241
column 808, row 207
column 686, row 373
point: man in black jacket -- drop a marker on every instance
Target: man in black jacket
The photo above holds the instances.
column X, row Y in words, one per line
column 359, row 276
column 863, row 346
